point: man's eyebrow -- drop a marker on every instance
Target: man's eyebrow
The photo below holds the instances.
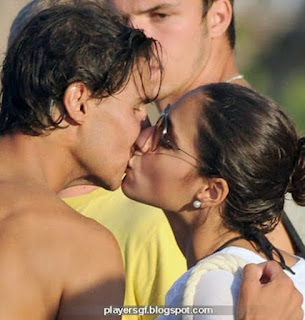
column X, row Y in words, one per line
column 158, row 7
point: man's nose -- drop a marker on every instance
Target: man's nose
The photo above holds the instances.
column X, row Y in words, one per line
column 144, row 142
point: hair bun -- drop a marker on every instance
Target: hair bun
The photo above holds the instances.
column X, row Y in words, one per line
column 297, row 186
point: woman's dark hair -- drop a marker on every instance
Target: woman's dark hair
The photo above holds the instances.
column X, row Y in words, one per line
column 249, row 141
column 84, row 42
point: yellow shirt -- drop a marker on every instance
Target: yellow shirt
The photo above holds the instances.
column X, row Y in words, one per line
column 151, row 256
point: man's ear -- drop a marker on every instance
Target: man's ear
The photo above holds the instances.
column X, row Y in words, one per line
column 213, row 192
column 219, row 17
column 75, row 102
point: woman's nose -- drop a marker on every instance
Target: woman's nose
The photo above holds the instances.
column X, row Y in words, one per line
column 144, row 141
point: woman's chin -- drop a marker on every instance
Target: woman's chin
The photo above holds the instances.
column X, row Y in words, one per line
column 131, row 191
column 127, row 187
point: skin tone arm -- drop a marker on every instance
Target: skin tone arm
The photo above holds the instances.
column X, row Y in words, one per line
column 97, row 279
column 273, row 292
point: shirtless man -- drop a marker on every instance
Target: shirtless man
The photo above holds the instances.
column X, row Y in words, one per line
column 64, row 116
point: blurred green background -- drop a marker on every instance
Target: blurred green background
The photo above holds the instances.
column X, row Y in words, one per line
column 271, row 51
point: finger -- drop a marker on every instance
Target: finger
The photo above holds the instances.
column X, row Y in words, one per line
column 272, row 269
column 253, row 272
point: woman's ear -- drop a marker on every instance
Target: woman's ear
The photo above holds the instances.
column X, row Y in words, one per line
column 75, row 102
column 213, row 192
column 219, row 17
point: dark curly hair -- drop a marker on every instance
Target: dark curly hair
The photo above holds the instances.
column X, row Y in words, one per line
column 250, row 142
column 84, row 42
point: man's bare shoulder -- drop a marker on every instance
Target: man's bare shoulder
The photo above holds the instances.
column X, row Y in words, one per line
column 45, row 225
column 49, row 216
column 43, row 241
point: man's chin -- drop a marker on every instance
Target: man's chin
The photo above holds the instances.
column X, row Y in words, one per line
column 111, row 184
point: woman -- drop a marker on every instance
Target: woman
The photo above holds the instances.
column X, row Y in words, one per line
column 219, row 163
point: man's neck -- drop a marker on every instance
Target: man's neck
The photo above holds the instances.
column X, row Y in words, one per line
column 77, row 190
column 33, row 160
column 219, row 68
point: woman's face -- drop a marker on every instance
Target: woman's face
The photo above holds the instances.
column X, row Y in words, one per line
column 163, row 169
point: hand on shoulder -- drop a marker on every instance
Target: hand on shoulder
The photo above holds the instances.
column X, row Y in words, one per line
column 267, row 292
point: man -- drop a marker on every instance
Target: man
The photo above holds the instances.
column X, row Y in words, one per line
column 68, row 93
column 197, row 37
column 152, row 259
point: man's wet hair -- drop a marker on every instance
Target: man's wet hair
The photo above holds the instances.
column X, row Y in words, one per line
column 35, row 6
column 77, row 42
